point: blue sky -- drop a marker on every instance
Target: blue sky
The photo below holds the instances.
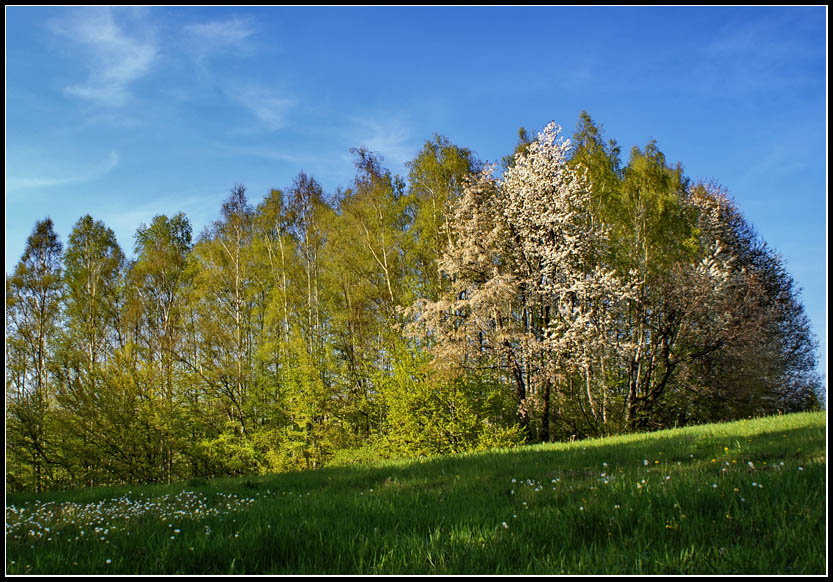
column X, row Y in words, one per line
column 125, row 113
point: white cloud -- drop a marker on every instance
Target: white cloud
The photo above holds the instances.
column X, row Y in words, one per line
column 221, row 32
column 268, row 153
column 269, row 108
column 746, row 36
column 93, row 172
column 115, row 59
column 208, row 38
column 759, row 55
column 391, row 137
column 235, row 36
column 126, row 220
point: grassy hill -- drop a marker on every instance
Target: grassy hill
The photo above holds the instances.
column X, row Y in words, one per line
column 746, row 497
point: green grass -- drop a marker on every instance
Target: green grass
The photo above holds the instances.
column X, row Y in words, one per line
column 683, row 501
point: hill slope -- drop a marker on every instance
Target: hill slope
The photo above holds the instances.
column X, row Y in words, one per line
column 746, row 497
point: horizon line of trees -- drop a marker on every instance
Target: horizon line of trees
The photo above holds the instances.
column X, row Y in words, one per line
column 451, row 310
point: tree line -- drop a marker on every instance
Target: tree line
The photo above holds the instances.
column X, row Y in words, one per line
column 560, row 294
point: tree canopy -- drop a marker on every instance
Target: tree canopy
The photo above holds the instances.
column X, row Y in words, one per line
column 448, row 310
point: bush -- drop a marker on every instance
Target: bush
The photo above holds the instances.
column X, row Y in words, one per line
column 440, row 415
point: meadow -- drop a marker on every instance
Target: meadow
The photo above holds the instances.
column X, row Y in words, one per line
column 746, row 497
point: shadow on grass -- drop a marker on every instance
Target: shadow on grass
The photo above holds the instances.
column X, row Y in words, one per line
column 572, row 507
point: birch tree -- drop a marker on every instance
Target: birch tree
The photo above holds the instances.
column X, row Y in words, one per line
column 222, row 299
column 308, row 216
column 367, row 250
column 161, row 282
column 33, row 308
column 436, row 178
column 93, row 273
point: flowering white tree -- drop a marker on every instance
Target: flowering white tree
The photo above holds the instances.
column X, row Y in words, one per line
column 530, row 297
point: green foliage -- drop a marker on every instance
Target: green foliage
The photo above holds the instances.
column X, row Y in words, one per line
column 309, row 436
column 280, row 339
column 436, row 176
column 656, row 227
column 428, row 413
column 33, row 308
column 234, row 454
column 603, row 164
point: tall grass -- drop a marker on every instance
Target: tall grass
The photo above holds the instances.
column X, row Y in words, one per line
column 746, row 497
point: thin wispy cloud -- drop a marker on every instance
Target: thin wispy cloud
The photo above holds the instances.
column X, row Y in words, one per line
column 206, row 42
column 269, row 108
column 127, row 217
column 206, row 39
column 265, row 152
column 391, row 137
column 780, row 159
column 756, row 55
column 114, row 58
column 41, row 178
column 736, row 38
